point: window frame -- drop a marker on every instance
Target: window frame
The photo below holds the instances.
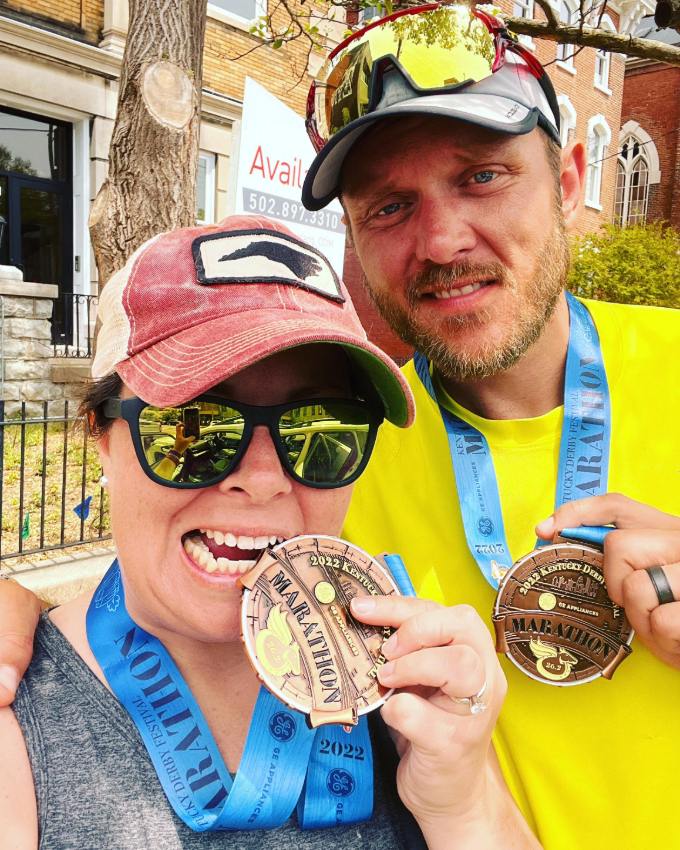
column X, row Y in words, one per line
column 232, row 18
column 629, row 167
column 598, row 128
column 566, row 60
column 210, row 187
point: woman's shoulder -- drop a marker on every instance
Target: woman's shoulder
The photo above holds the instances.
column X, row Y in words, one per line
column 18, row 808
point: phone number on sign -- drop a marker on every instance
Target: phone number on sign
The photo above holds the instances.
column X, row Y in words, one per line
column 283, row 208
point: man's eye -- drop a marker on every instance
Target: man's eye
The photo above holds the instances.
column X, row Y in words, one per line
column 390, row 209
column 484, row 176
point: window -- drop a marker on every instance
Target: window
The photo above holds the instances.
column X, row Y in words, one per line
column 246, row 10
column 568, row 14
column 602, row 58
column 632, row 183
column 205, row 188
column 599, row 136
column 602, row 69
column 567, row 119
column 524, row 9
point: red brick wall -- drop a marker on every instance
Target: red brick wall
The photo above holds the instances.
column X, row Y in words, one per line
column 650, row 97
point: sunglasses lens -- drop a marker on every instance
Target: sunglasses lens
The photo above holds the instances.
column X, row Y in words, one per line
column 437, row 49
column 325, row 443
column 190, row 444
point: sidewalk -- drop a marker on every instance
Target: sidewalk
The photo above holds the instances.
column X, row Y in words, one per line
column 58, row 580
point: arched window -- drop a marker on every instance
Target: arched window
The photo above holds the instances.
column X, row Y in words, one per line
column 599, row 136
column 568, row 15
column 632, row 183
column 602, row 58
column 567, row 119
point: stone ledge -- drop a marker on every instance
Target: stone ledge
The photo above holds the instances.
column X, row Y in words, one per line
column 63, row 578
column 65, row 371
column 23, row 289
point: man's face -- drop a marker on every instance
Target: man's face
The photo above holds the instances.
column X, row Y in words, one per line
column 461, row 238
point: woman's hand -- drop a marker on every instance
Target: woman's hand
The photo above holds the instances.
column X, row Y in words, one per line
column 647, row 538
column 19, row 612
column 447, row 775
column 181, row 442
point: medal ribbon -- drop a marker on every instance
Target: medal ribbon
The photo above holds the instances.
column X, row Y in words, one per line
column 327, row 772
column 584, row 448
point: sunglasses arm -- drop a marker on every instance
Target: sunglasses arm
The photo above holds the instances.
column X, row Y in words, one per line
column 112, row 408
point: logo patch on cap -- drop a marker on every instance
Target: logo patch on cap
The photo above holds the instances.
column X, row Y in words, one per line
column 263, row 256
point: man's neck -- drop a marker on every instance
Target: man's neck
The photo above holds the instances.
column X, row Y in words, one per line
column 532, row 387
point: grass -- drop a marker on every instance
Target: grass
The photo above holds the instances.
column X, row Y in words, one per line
column 59, row 494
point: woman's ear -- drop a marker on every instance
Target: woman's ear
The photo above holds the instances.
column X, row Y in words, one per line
column 572, row 179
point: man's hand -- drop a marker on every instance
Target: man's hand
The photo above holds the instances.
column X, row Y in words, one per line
column 19, row 612
column 647, row 538
column 446, row 773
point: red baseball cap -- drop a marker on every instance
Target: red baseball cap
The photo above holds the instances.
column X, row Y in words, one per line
column 194, row 306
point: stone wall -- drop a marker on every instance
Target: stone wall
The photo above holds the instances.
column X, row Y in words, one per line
column 26, row 343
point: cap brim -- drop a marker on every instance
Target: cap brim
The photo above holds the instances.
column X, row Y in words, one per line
column 179, row 368
column 487, row 110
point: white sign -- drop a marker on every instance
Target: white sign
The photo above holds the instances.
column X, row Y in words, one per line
column 274, row 156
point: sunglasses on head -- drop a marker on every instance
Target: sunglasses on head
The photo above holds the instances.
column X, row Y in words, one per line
column 439, row 48
column 321, row 442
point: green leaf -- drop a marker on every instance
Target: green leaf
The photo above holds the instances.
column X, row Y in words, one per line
column 277, row 43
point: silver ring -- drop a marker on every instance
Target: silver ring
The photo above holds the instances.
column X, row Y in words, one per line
column 474, row 703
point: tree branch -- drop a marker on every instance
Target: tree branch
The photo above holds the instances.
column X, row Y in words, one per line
column 553, row 20
column 642, row 48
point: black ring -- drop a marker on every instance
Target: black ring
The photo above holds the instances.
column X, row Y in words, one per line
column 661, row 585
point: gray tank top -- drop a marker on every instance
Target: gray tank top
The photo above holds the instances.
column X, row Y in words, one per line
column 96, row 786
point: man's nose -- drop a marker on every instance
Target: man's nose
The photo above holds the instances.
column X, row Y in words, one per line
column 444, row 233
column 259, row 473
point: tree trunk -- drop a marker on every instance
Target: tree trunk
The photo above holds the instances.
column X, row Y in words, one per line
column 153, row 159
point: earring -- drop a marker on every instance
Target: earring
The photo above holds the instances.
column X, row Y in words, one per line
column 103, row 481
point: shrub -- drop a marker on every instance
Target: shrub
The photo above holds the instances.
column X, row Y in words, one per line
column 628, row 265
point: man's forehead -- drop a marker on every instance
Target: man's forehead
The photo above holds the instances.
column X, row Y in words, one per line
column 393, row 139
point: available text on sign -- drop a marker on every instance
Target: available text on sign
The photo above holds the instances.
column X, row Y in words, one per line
column 274, row 156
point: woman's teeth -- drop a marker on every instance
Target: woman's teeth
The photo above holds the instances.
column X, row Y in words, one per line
column 227, row 539
column 201, row 555
column 464, row 290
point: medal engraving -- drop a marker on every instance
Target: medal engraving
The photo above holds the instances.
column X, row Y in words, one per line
column 299, row 633
column 554, row 619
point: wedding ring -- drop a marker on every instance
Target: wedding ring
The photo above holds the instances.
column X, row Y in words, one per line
column 474, row 703
column 661, row 584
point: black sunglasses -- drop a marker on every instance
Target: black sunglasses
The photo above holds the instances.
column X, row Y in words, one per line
column 322, row 442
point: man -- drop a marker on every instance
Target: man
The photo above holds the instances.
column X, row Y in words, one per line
column 458, row 203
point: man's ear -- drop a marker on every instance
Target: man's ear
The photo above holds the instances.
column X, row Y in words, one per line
column 572, row 180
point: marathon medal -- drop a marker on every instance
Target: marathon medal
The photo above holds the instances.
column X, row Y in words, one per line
column 554, row 619
column 299, row 633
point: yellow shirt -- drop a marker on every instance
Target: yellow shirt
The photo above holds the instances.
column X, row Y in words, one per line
column 595, row 766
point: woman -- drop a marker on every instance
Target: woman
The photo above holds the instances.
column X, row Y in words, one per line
column 211, row 326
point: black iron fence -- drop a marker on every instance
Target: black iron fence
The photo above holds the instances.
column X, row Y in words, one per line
column 73, row 320
column 50, row 495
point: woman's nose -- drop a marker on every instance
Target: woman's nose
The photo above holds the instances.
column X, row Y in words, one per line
column 259, row 472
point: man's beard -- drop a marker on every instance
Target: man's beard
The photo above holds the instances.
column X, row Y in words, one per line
column 533, row 308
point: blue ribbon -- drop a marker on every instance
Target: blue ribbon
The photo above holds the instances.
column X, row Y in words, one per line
column 327, row 772
column 584, row 449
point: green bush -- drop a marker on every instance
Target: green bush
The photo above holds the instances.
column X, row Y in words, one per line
column 628, row 265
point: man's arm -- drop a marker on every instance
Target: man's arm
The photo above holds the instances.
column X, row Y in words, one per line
column 18, row 808
column 19, row 612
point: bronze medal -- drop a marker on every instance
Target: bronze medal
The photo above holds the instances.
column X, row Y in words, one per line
column 302, row 640
column 554, row 618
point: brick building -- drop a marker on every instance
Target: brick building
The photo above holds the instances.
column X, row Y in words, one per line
column 648, row 165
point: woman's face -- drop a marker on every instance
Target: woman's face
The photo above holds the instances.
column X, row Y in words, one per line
column 162, row 533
